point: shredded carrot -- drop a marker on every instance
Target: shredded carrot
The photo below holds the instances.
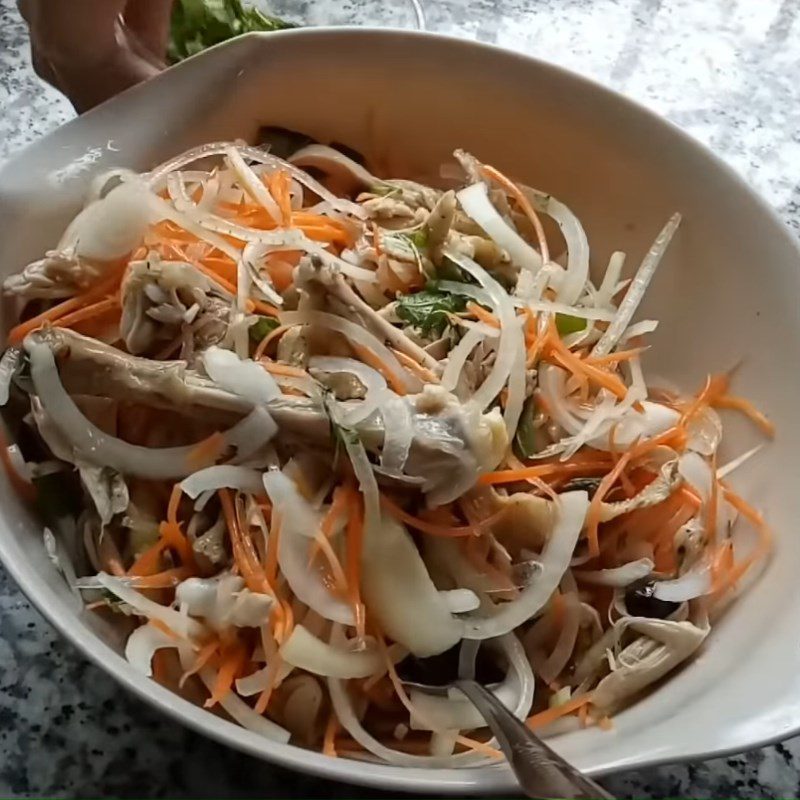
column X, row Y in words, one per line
column 262, row 345
column 355, row 544
column 371, row 360
column 244, row 552
column 278, row 183
column 605, row 723
column 232, row 661
column 272, row 677
column 202, row 658
column 87, row 312
column 108, row 285
column 553, row 471
column 287, row 370
column 746, row 408
column 264, row 308
column 423, row 373
column 164, row 628
column 207, row 452
column 167, row 579
column 517, row 193
column 423, row 525
column 480, row 313
column 550, row 715
column 593, row 515
column 329, row 740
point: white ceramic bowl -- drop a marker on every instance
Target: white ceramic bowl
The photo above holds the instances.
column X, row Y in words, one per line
column 727, row 292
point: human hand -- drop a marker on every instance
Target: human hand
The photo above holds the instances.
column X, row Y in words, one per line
column 93, row 49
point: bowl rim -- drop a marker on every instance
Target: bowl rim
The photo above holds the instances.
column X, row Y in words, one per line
column 469, row 780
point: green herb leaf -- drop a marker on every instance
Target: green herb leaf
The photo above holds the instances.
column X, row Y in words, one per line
column 419, row 238
column 428, row 309
column 261, row 327
column 526, row 438
column 198, row 24
column 567, row 324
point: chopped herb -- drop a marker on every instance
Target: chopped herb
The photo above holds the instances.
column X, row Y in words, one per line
column 427, row 310
column 261, row 327
column 198, row 24
column 341, row 435
column 382, row 189
column 419, row 238
column 527, row 438
column 567, row 324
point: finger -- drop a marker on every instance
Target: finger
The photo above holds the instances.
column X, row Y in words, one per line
column 149, row 21
column 87, row 88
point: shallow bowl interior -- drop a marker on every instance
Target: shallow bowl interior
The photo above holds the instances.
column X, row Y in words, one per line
column 726, row 294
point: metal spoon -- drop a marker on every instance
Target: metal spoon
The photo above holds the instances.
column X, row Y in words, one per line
column 541, row 772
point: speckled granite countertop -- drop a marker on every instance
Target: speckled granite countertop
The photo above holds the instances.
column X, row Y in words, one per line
column 724, row 70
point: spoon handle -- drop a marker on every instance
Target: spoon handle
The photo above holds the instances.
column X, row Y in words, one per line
column 541, row 772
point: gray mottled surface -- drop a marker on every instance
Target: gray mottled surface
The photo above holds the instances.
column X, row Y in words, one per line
column 724, row 70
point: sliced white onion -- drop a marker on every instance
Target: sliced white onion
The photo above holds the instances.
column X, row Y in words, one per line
column 369, row 378
column 299, row 525
column 457, row 712
column 8, row 366
column 638, row 329
column 637, row 289
column 400, row 594
column 608, row 288
column 238, row 710
column 18, row 463
column 458, row 356
column 617, row 576
column 477, row 206
column 88, row 440
column 510, row 350
column 357, row 335
column 223, row 476
column 694, row 583
column 327, row 159
column 181, row 624
column 737, row 462
column 306, row 651
column 157, row 176
column 460, row 601
column 554, row 560
column 251, row 184
column 242, row 377
column 696, row 471
column 398, row 431
column 252, row 433
column 142, row 645
column 574, row 280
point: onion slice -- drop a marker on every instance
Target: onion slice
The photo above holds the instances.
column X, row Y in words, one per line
column 223, row 476
column 555, row 560
column 306, row 651
column 617, row 576
column 637, row 289
column 240, row 376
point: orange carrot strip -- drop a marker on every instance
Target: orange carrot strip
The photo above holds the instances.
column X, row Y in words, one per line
column 232, row 662
column 329, row 740
column 206, row 452
column 289, row 371
column 355, row 544
column 517, row 193
column 202, row 658
column 552, row 714
column 423, row 373
column 746, row 408
column 423, row 525
column 371, row 360
column 593, row 515
column 480, row 313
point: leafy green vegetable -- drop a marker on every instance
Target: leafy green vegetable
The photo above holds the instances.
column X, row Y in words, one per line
column 261, row 327
column 428, row 309
column 419, row 238
column 198, row 24
column 567, row 324
column 526, row 438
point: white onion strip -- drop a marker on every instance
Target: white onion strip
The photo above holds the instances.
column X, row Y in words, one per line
column 555, row 560
column 8, row 366
column 477, row 206
column 458, row 356
column 510, row 349
column 306, row 651
column 617, row 576
column 357, row 335
column 223, row 476
column 635, row 293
